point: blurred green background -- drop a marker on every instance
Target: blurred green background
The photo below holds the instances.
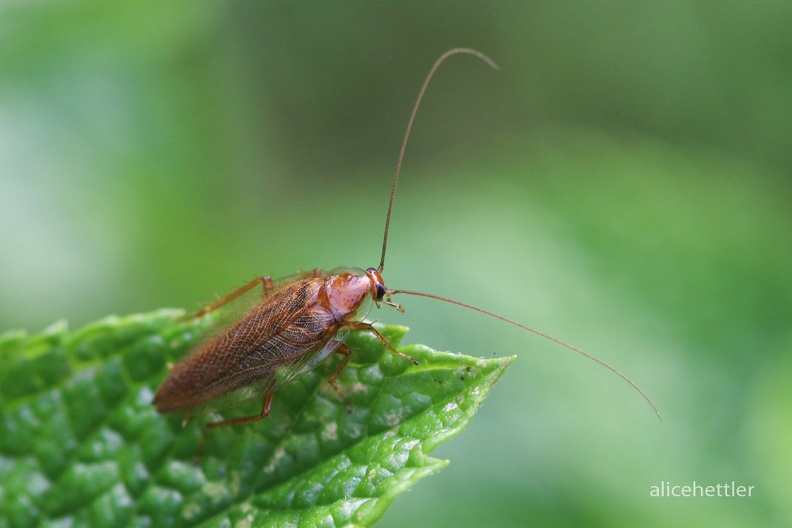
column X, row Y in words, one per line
column 621, row 183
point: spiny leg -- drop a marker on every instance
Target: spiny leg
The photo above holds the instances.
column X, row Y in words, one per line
column 343, row 350
column 266, row 282
column 265, row 410
column 362, row 325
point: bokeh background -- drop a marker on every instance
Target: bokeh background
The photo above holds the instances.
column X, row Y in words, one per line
column 623, row 183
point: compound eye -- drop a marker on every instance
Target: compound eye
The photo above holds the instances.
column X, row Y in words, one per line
column 380, row 291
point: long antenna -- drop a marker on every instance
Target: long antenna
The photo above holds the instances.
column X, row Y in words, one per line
column 437, row 63
column 537, row 332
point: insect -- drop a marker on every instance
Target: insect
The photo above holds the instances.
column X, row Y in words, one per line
column 298, row 322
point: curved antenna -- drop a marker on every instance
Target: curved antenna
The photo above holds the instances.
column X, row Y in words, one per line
column 537, row 332
column 437, row 63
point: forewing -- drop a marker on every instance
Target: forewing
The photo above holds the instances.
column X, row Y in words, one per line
column 271, row 379
column 279, row 339
column 226, row 316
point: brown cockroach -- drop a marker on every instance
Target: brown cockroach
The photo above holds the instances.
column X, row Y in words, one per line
column 299, row 321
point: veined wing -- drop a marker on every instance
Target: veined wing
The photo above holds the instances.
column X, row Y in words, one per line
column 270, row 379
column 226, row 316
column 269, row 346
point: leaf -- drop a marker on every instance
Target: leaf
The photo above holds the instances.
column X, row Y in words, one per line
column 80, row 443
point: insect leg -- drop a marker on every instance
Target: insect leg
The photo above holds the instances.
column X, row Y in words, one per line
column 362, row 325
column 265, row 410
column 343, row 350
column 266, row 282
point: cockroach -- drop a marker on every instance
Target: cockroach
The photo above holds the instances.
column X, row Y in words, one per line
column 298, row 322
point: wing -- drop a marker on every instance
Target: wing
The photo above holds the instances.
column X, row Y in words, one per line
column 266, row 379
column 230, row 313
column 284, row 336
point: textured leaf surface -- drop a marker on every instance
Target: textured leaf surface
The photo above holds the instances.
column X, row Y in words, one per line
column 81, row 444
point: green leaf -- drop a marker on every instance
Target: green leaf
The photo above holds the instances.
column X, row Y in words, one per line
column 80, row 443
